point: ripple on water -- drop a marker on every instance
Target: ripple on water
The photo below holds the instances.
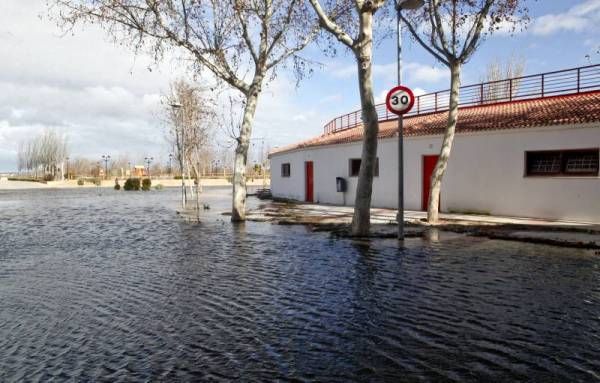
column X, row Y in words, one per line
column 115, row 287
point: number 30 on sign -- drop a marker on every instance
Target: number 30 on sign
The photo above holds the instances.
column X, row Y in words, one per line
column 400, row 100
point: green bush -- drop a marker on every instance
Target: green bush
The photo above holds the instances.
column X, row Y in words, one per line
column 48, row 177
column 158, row 187
column 146, row 184
column 177, row 177
column 132, row 184
column 80, row 182
column 97, row 181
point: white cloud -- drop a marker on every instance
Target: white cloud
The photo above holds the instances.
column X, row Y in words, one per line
column 380, row 98
column 103, row 97
column 579, row 18
column 419, row 73
column 281, row 120
column 419, row 91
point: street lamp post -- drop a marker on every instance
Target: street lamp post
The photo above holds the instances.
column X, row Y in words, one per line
column 105, row 158
column 68, row 177
column 148, row 160
column 400, row 5
column 170, row 160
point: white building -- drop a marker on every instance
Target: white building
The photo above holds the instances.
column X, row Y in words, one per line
column 517, row 153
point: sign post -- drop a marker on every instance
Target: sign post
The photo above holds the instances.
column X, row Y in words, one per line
column 400, row 100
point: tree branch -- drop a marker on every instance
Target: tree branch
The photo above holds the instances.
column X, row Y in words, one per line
column 469, row 46
column 331, row 26
column 435, row 54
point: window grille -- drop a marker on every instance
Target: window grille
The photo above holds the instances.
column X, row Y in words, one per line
column 580, row 162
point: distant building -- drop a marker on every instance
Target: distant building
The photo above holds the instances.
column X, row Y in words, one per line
column 139, row 171
column 532, row 151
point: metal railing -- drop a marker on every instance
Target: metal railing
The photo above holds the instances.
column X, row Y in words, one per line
column 562, row 82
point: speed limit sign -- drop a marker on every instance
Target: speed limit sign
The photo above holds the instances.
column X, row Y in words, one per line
column 400, row 100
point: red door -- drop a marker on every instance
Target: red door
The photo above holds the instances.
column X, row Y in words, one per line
column 309, row 180
column 428, row 166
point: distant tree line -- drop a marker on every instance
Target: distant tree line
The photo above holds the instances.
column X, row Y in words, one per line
column 43, row 155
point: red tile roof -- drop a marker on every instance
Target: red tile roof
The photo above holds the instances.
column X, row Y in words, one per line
column 550, row 111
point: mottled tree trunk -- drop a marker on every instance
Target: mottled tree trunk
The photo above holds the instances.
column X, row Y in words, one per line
column 190, row 182
column 238, row 209
column 442, row 163
column 361, row 220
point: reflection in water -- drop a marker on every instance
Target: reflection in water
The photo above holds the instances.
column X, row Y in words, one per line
column 432, row 234
column 116, row 287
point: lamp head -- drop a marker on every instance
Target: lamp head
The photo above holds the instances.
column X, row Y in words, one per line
column 175, row 105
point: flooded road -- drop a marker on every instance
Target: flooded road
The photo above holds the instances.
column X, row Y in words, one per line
column 116, row 287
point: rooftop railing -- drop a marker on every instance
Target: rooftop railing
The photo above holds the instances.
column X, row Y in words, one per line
column 562, row 82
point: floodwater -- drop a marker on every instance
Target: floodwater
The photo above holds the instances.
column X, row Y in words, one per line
column 116, row 287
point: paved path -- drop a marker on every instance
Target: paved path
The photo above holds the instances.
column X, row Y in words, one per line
column 343, row 214
column 567, row 233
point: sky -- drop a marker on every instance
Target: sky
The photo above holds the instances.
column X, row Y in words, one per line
column 108, row 100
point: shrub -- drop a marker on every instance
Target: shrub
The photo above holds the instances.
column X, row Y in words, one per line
column 48, row 177
column 97, row 181
column 146, row 184
column 80, row 182
column 158, row 187
column 132, row 184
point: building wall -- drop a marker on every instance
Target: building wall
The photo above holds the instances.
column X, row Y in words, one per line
column 486, row 173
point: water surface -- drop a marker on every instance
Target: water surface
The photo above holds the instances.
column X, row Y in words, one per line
column 116, row 287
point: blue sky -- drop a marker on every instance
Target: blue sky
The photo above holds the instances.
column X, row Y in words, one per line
column 107, row 101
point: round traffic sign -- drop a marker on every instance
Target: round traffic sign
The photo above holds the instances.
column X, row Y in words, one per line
column 400, row 100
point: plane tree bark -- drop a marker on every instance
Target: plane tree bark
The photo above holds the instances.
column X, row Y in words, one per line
column 333, row 16
column 451, row 31
column 241, row 42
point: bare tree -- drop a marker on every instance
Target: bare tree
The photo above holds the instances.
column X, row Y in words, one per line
column 119, row 166
column 44, row 153
column 451, row 31
column 497, row 71
column 192, row 127
column 81, row 167
column 343, row 19
column 241, row 42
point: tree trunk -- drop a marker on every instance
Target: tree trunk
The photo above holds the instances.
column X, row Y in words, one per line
column 198, row 200
column 238, row 208
column 440, row 167
column 190, row 182
column 181, row 159
column 361, row 220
